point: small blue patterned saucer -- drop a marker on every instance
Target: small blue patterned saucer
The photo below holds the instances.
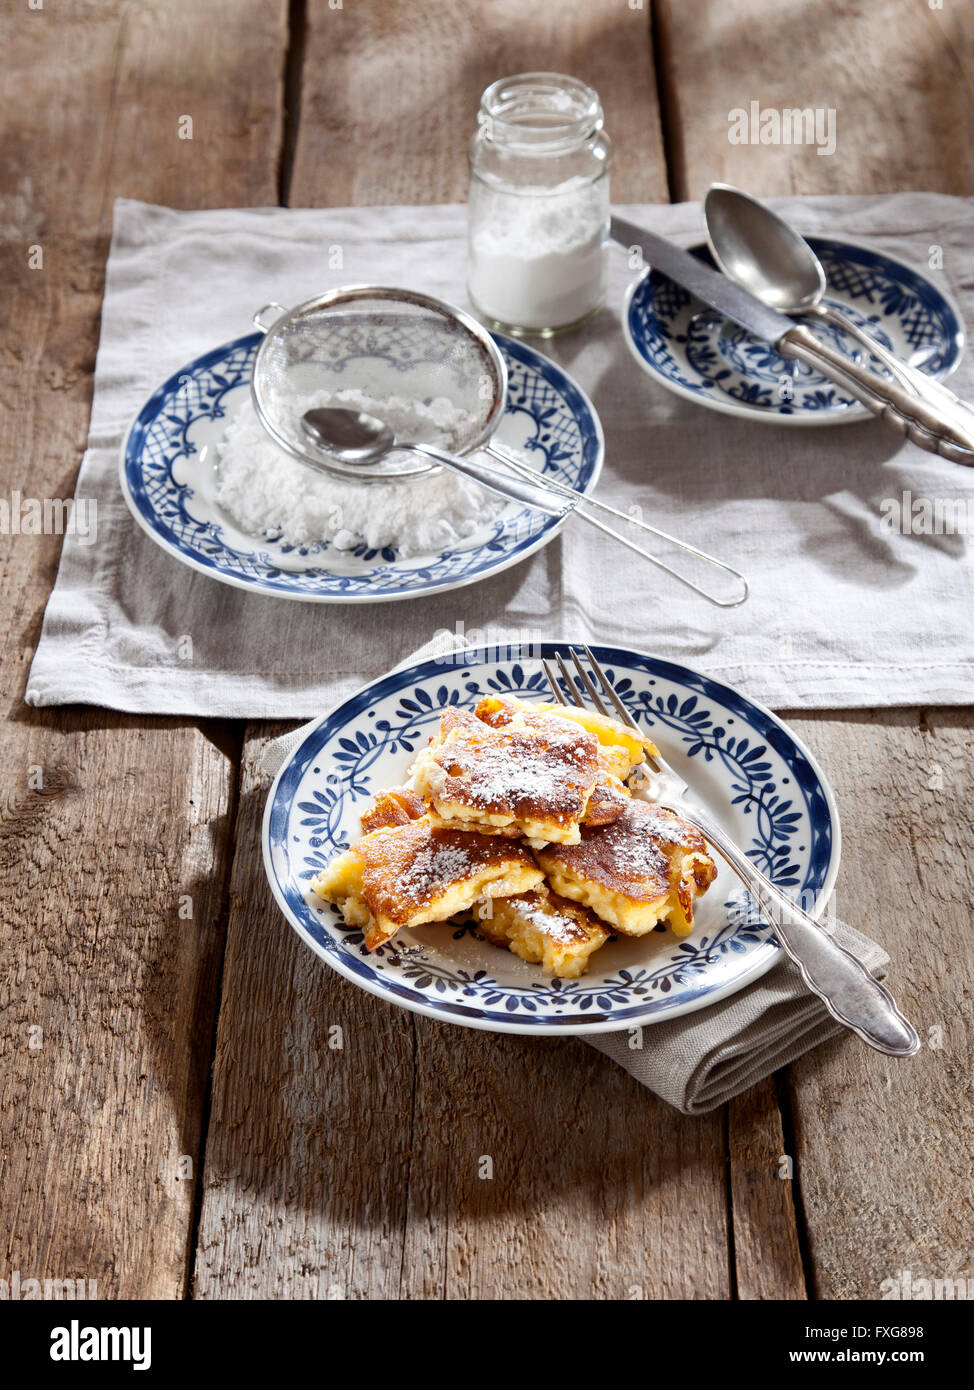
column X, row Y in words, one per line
column 696, row 353
column 740, row 761
column 167, row 475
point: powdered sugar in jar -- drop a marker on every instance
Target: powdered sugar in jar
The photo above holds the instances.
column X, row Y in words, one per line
column 539, row 204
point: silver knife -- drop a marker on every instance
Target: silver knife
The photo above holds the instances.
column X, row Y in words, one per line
column 906, row 413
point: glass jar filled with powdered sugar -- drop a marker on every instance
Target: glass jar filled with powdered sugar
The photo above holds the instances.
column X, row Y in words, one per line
column 539, row 204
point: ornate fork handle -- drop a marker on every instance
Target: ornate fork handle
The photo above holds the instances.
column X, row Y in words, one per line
column 848, row 990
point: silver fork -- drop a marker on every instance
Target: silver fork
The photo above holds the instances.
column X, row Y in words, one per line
column 850, row 993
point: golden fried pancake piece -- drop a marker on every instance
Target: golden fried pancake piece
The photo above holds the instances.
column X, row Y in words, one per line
column 544, row 929
column 609, row 795
column 500, row 710
column 536, row 781
column 644, row 868
column 397, row 806
column 405, row 875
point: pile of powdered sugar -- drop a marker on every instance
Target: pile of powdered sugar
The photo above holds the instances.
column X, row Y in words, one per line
column 268, row 493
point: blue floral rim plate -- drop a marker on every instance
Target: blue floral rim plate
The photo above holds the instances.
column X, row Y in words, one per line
column 167, row 476
column 740, row 761
column 693, row 351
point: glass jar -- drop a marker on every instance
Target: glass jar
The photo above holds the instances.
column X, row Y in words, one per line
column 538, row 217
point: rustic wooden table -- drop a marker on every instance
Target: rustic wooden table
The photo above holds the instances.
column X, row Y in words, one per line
column 180, row 1127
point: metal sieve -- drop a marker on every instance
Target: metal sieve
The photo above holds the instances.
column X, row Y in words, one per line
column 386, row 343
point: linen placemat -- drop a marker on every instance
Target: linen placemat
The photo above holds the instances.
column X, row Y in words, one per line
column 702, row 1059
column 841, row 613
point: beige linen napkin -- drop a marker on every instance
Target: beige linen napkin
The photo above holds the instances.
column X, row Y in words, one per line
column 698, row 1061
column 843, row 613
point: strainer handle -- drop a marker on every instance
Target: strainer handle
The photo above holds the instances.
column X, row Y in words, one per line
column 580, row 500
column 258, row 319
column 535, row 495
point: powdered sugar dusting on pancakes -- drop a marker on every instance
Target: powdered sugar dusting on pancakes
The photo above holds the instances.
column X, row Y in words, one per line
column 514, row 772
column 559, row 926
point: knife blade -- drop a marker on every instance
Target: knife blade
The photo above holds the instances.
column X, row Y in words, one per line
column 709, row 285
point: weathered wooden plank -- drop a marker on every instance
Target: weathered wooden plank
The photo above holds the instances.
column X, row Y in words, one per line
column 883, row 1147
column 767, row 1257
column 896, row 76
column 109, row 826
column 309, row 1144
column 860, row 1123
column 542, row 1170
column 390, row 93
column 111, row 835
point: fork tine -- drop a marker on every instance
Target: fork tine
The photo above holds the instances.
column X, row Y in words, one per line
column 552, row 680
column 570, row 683
column 607, row 687
column 594, row 695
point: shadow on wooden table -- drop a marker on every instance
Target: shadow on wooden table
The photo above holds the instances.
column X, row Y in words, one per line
column 411, row 1141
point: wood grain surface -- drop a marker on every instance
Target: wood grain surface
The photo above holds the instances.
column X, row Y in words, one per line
column 876, row 1147
column 897, row 76
column 109, row 825
column 348, row 1149
column 882, row 1148
column 389, row 93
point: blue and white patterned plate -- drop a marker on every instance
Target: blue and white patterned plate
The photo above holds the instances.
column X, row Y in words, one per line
column 167, row 475
column 740, row 761
column 696, row 353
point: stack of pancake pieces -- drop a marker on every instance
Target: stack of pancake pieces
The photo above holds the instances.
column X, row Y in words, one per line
column 520, row 818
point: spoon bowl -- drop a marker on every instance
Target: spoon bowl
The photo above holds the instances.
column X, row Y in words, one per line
column 350, row 435
column 356, row 438
column 759, row 250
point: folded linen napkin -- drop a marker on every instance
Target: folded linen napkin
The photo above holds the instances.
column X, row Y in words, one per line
column 700, row 1060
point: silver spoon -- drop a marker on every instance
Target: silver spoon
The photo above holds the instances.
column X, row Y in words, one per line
column 761, row 251
column 360, row 439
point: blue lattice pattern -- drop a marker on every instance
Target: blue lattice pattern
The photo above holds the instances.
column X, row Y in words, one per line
column 564, row 432
column 701, row 355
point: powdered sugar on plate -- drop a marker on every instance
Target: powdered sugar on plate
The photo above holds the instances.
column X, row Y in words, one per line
column 269, row 493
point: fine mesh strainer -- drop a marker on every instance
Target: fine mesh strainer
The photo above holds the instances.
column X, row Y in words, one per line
column 384, row 343
column 394, row 344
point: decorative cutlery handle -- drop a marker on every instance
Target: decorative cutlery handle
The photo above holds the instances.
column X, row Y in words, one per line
column 955, row 411
column 911, row 415
column 901, row 370
column 850, row 993
column 581, row 499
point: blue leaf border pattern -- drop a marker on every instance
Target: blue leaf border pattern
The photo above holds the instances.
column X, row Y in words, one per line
column 711, row 721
